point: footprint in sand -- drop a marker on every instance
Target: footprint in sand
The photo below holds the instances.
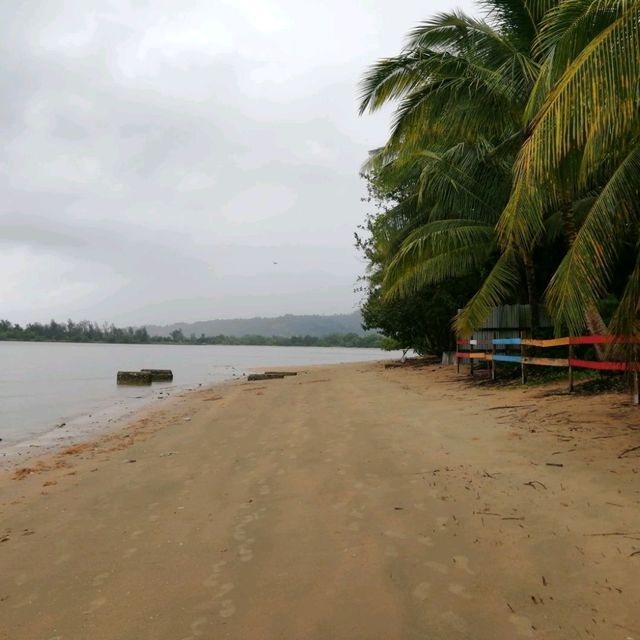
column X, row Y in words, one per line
column 459, row 590
column 522, row 625
column 224, row 589
column 98, row 580
column 21, row 579
column 245, row 553
column 227, row 609
column 462, row 562
column 426, row 541
column 453, row 621
column 197, row 626
column 129, row 552
column 441, row 522
column 437, row 566
column 421, row 591
column 394, row 534
column 153, row 518
column 354, row 526
column 251, row 517
column 211, row 581
column 391, row 551
column 96, row 603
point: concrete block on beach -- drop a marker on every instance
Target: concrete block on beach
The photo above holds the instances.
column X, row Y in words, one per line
column 159, row 375
column 252, row 377
column 134, row 377
column 281, row 373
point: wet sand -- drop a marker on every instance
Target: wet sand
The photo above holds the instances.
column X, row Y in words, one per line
column 347, row 502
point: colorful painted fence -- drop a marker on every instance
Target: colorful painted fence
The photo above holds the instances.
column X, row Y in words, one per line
column 570, row 362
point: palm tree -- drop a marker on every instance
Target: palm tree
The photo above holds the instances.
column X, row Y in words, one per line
column 529, row 119
column 463, row 85
column 583, row 133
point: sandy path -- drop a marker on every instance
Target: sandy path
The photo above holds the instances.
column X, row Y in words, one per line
column 347, row 502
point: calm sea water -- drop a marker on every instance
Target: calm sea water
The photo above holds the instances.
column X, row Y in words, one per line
column 45, row 384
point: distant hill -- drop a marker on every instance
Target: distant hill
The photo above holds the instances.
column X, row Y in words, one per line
column 284, row 326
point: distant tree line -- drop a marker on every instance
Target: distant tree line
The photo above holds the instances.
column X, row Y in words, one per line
column 70, row 331
column 86, row 331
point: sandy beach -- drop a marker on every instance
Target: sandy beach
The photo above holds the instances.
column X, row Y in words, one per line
column 349, row 501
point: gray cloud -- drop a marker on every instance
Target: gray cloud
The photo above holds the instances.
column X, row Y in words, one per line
column 159, row 157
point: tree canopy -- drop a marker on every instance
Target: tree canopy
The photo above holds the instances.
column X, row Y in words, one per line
column 513, row 162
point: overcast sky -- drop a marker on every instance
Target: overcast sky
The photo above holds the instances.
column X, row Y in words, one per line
column 158, row 157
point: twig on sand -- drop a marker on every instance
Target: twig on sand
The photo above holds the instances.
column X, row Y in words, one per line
column 533, row 484
column 635, row 553
column 510, row 406
column 623, row 453
column 514, row 518
column 554, row 464
column 510, row 608
column 614, row 533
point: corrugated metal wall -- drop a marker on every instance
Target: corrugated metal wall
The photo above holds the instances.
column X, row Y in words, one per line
column 509, row 321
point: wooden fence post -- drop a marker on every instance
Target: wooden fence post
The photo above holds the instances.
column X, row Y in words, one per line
column 493, row 362
column 636, row 388
column 570, row 367
column 523, row 369
column 470, row 354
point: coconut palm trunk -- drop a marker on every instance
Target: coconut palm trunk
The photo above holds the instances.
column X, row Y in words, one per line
column 534, row 301
column 593, row 320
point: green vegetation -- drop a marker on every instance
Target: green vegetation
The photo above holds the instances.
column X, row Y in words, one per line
column 512, row 170
column 91, row 332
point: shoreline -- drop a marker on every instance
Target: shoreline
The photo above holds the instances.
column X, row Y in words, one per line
column 45, row 451
column 82, row 400
column 106, row 419
column 79, row 432
column 372, row 502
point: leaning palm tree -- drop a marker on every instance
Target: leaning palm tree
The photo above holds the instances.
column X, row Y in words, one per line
column 583, row 141
column 462, row 86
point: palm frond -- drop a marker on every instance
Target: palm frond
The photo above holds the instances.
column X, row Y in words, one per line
column 437, row 251
column 583, row 275
column 501, row 282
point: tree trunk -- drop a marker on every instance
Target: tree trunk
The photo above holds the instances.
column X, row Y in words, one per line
column 593, row 320
column 534, row 304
